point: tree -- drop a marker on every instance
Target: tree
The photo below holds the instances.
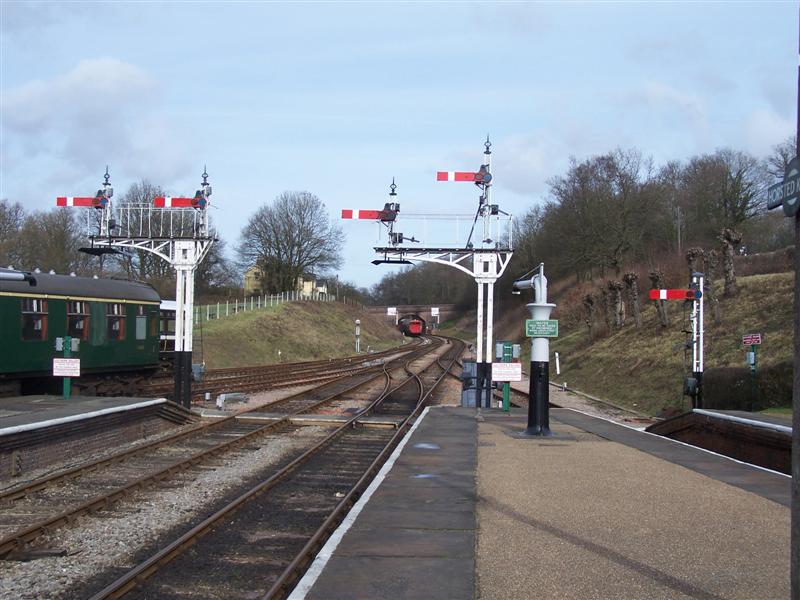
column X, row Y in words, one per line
column 724, row 189
column 290, row 238
column 51, row 240
column 781, row 155
column 140, row 264
column 11, row 218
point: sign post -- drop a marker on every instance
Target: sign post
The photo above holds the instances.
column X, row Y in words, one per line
column 507, row 353
column 66, row 367
column 542, row 329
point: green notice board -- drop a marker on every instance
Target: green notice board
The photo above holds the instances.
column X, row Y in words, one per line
column 546, row 328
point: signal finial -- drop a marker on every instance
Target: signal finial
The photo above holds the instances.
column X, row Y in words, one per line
column 488, row 145
column 392, row 188
column 205, row 175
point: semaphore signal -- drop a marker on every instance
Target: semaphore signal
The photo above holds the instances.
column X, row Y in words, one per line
column 675, row 294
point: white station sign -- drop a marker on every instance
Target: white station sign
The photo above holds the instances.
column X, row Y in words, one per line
column 391, row 311
column 506, row 371
column 66, row 367
column 435, row 311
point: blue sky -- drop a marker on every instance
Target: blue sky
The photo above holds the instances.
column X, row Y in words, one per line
column 338, row 98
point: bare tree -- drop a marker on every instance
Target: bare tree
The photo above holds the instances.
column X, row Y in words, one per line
column 730, row 239
column 289, row 238
column 657, row 283
column 781, row 155
column 693, row 257
column 51, row 240
column 618, row 306
column 140, row 264
column 726, row 190
column 11, row 218
column 711, row 265
column 590, row 306
column 631, row 280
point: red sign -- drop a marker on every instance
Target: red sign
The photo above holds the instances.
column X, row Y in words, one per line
column 751, row 339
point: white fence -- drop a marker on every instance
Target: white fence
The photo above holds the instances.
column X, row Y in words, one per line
column 220, row 310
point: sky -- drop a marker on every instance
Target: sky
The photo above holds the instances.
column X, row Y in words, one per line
column 337, row 98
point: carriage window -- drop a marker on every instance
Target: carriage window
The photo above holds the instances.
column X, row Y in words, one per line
column 115, row 321
column 78, row 320
column 34, row 319
column 141, row 323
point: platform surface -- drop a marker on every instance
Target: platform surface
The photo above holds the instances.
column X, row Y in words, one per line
column 415, row 537
column 32, row 411
column 596, row 511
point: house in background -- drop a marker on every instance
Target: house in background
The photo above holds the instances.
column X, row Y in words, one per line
column 307, row 286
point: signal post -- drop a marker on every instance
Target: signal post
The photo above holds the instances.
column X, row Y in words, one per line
column 484, row 259
column 177, row 230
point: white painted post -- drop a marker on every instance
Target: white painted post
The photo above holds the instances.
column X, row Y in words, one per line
column 479, row 358
column 217, row 313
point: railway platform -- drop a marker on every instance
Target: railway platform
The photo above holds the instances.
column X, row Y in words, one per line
column 42, row 431
column 599, row 510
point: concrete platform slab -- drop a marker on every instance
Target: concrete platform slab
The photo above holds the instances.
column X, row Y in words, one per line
column 614, row 513
column 26, row 412
column 597, row 511
column 415, row 538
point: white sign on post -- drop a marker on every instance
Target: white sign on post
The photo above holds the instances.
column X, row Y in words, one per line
column 506, row 371
column 391, row 311
column 434, row 311
column 66, row 367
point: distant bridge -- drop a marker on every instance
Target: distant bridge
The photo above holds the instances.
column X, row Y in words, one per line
column 446, row 311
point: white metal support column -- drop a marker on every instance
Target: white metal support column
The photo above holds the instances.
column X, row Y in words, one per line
column 479, row 357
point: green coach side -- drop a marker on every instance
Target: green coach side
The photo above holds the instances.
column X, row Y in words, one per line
column 116, row 322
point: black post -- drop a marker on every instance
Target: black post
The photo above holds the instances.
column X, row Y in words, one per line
column 697, row 399
column 795, row 537
column 539, row 399
column 183, row 379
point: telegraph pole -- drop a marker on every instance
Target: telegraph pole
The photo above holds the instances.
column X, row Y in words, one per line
column 795, row 560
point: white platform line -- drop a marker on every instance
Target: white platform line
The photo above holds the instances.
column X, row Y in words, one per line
column 315, row 570
column 70, row 419
column 661, row 437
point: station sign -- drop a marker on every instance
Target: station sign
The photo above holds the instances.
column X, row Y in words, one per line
column 434, row 311
column 787, row 192
column 541, row 328
column 751, row 339
column 66, row 367
column 391, row 311
column 506, row 371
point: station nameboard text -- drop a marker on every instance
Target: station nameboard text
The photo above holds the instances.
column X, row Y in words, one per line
column 787, row 192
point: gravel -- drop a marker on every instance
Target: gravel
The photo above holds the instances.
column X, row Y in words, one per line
column 110, row 539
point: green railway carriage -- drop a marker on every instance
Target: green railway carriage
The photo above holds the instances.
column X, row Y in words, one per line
column 116, row 321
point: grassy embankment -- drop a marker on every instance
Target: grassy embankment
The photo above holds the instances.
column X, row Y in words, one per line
column 300, row 330
column 642, row 369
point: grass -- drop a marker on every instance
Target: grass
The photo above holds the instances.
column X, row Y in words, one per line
column 645, row 367
column 290, row 332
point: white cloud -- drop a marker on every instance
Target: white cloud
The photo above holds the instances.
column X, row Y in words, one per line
column 659, row 95
column 763, row 129
column 103, row 111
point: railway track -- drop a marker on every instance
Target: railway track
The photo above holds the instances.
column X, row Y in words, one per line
column 261, row 542
column 253, row 379
column 39, row 507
